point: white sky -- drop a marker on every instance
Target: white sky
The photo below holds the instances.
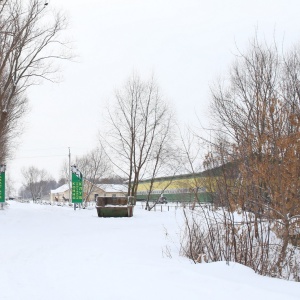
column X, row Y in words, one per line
column 185, row 43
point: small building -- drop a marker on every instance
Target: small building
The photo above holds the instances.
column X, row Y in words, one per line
column 60, row 194
column 112, row 190
column 102, row 190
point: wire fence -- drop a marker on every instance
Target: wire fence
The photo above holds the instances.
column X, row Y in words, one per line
column 173, row 206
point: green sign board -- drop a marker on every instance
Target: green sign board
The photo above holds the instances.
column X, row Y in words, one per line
column 76, row 187
column 2, row 187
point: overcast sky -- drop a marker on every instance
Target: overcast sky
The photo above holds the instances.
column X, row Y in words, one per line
column 187, row 44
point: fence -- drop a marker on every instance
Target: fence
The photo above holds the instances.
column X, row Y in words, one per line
column 172, row 206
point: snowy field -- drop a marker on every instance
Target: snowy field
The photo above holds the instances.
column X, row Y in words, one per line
column 52, row 252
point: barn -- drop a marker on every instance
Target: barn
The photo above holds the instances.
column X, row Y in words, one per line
column 181, row 188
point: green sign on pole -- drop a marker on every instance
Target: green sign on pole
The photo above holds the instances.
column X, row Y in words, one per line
column 2, row 183
column 76, row 185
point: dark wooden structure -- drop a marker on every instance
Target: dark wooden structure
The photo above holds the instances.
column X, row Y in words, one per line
column 115, row 207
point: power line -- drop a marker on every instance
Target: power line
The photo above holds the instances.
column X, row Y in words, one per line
column 52, row 148
column 39, row 156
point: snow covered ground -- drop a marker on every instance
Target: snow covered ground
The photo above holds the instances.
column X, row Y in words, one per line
column 52, row 252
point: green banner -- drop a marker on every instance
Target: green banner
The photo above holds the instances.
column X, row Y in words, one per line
column 76, row 187
column 2, row 187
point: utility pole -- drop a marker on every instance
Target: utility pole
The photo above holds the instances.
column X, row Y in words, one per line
column 69, row 179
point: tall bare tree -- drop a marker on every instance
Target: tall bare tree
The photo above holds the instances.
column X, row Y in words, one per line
column 138, row 120
column 29, row 42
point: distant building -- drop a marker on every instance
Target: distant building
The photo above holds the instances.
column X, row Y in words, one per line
column 103, row 190
column 182, row 188
column 200, row 186
column 112, row 190
column 60, row 194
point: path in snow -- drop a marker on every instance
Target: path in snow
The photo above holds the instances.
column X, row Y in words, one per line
column 51, row 252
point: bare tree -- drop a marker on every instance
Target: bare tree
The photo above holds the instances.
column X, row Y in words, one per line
column 138, row 120
column 192, row 160
column 65, row 172
column 29, row 42
column 93, row 166
column 10, row 190
column 36, row 180
column 163, row 160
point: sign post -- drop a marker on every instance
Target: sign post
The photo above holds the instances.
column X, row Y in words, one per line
column 2, row 184
column 76, row 186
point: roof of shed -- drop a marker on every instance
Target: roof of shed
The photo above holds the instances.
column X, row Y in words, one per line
column 113, row 188
column 61, row 189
